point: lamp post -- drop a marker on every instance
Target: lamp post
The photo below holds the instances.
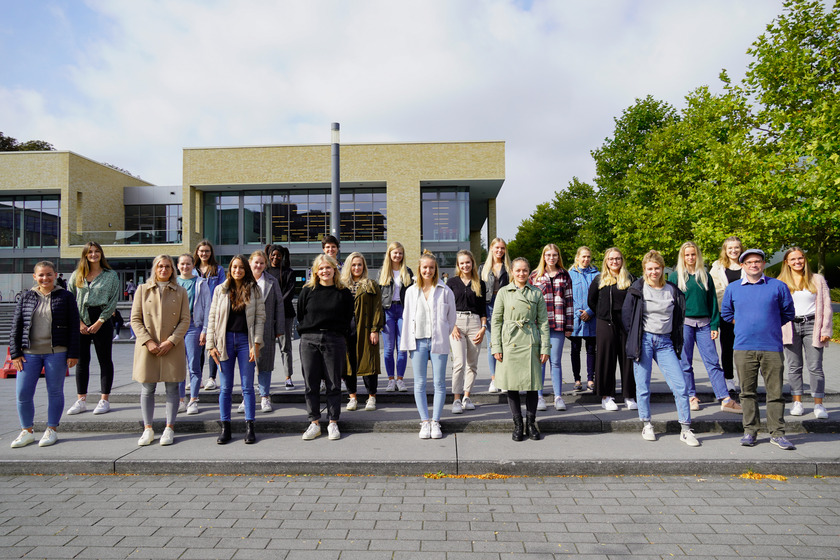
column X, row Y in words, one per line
column 335, row 214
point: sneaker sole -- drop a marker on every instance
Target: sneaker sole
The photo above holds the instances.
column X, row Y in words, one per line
column 780, row 446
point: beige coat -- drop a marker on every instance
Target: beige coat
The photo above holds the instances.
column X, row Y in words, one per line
column 158, row 319
column 218, row 318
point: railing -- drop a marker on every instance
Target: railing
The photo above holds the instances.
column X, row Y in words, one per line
column 127, row 237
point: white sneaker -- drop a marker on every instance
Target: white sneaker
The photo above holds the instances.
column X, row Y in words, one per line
column 210, row 385
column 820, row 412
column 78, row 406
column 192, row 408
column 559, row 403
column 392, row 386
column 468, row 404
column 425, row 430
column 435, row 429
column 312, row 431
column 168, row 436
column 492, row 388
column 608, row 403
column 49, row 438
column 457, row 408
column 182, row 407
column 352, row 404
column 102, row 407
column 132, row 337
column 687, row 437
column 541, row 403
column 147, row 438
column 116, row 337
column 332, row 431
column 241, row 408
column 647, row 433
column 265, row 404
column 631, row 404
column 797, row 409
column 24, row 438
column 401, row 385
column 370, row 405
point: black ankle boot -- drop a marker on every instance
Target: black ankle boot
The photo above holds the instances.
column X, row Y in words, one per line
column 224, row 434
column 250, row 436
column 531, row 427
column 517, row 434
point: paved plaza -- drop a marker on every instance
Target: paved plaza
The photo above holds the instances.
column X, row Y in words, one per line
column 413, row 518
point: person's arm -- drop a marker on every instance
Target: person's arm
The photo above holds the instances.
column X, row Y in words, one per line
column 496, row 329
column 788, row 312
column 279, row 311
column 712, row 304
column 75, row 335
column 144, row 338
column 569, row 305
column 592, row 296
column 183, row 325
column 727, row 309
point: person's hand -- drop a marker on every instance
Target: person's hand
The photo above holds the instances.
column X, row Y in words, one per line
column 153, row 347
column 543, row 358
column 254, row 353
column 456, row 334
column 18, row 363
column 715, row 335
column 480, row 336
column 164, row 348
column 498, row 356
column 568, row 334
column 374, row 338
column 584, row 316
column 83, row 328
column 94, row 327
column 71, row 362
column 202, row 339
column 215, row 355
column 825, row 338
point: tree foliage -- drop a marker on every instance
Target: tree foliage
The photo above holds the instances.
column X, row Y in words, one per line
column 9, row 144
column 759, row 160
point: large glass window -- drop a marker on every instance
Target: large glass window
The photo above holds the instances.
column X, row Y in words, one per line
column 159, row 223
column 294, row 216
column 445, row 214
column 29, row 221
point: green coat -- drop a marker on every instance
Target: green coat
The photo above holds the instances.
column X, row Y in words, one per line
column 520, row 333
column 367, row 309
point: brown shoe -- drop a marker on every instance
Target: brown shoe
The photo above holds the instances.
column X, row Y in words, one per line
column 729, row 405
column 694, row 403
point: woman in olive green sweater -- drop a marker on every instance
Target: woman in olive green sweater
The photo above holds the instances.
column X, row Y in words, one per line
column 702, row 325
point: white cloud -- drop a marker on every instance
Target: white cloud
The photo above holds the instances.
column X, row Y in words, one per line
column 149, row 78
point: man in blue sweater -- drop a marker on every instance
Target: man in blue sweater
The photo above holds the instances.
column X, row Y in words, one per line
column 759, row 306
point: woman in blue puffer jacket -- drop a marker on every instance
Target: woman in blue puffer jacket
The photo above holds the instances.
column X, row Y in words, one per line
column 583, row 273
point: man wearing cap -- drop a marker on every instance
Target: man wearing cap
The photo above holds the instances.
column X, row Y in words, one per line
column 759, row 306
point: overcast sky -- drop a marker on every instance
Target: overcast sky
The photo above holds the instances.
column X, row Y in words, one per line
column 131, row 83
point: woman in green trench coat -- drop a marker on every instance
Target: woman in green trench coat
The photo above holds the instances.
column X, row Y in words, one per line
column 520, row 344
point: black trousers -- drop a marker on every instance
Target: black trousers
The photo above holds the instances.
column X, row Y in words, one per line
column 370, row 381
column 102, row 342
column 610, row 342
column 323, row 355
column 515, row 403
column 727, row 342
column 577, row 344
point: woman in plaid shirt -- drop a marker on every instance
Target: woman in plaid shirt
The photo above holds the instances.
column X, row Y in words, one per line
column 556, row 286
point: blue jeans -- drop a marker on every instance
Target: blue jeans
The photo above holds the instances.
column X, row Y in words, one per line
column 54, row 366
column 391, row 340
column 702, row 336
column 660, row 348
column 419, row 361
column 237, row 351
column 194, row 353
column 264, row 383
column 491, row 360
column 556, row 353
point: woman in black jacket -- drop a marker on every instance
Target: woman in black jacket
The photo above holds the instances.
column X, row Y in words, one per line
column 606, row 297
column 45, row 335
column 653, row 316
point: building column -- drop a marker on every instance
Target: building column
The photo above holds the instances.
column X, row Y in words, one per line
column 404, row 221
column 491, row 220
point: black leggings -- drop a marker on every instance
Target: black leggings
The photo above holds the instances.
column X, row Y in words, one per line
column 370, row 382
column 516, row 404
column 102, row 341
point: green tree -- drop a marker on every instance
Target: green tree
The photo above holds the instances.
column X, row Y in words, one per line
column 9, row 144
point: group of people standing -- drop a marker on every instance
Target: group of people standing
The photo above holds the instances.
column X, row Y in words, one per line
column 523, row 316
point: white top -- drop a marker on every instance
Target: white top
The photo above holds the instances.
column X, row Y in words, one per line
column 261, row 284
column 423, row 319
column 397, row 285
column 804, row 303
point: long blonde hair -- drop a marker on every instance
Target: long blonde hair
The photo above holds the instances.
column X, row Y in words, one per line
column 83, row 268
column 699, row 268
column 386, row 275
column 475, row 279
column 421, row 282
column 607, row 278
column 723, row 259
column 786, row 274
column 541, row 266
column 316, row 264
column 488, row 264
column 654, row 256
column 580, row 249
column 347, row 275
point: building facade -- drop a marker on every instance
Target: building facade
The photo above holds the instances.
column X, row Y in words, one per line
column 435, row 196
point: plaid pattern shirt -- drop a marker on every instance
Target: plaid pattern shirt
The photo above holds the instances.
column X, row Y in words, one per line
column 559, row 299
